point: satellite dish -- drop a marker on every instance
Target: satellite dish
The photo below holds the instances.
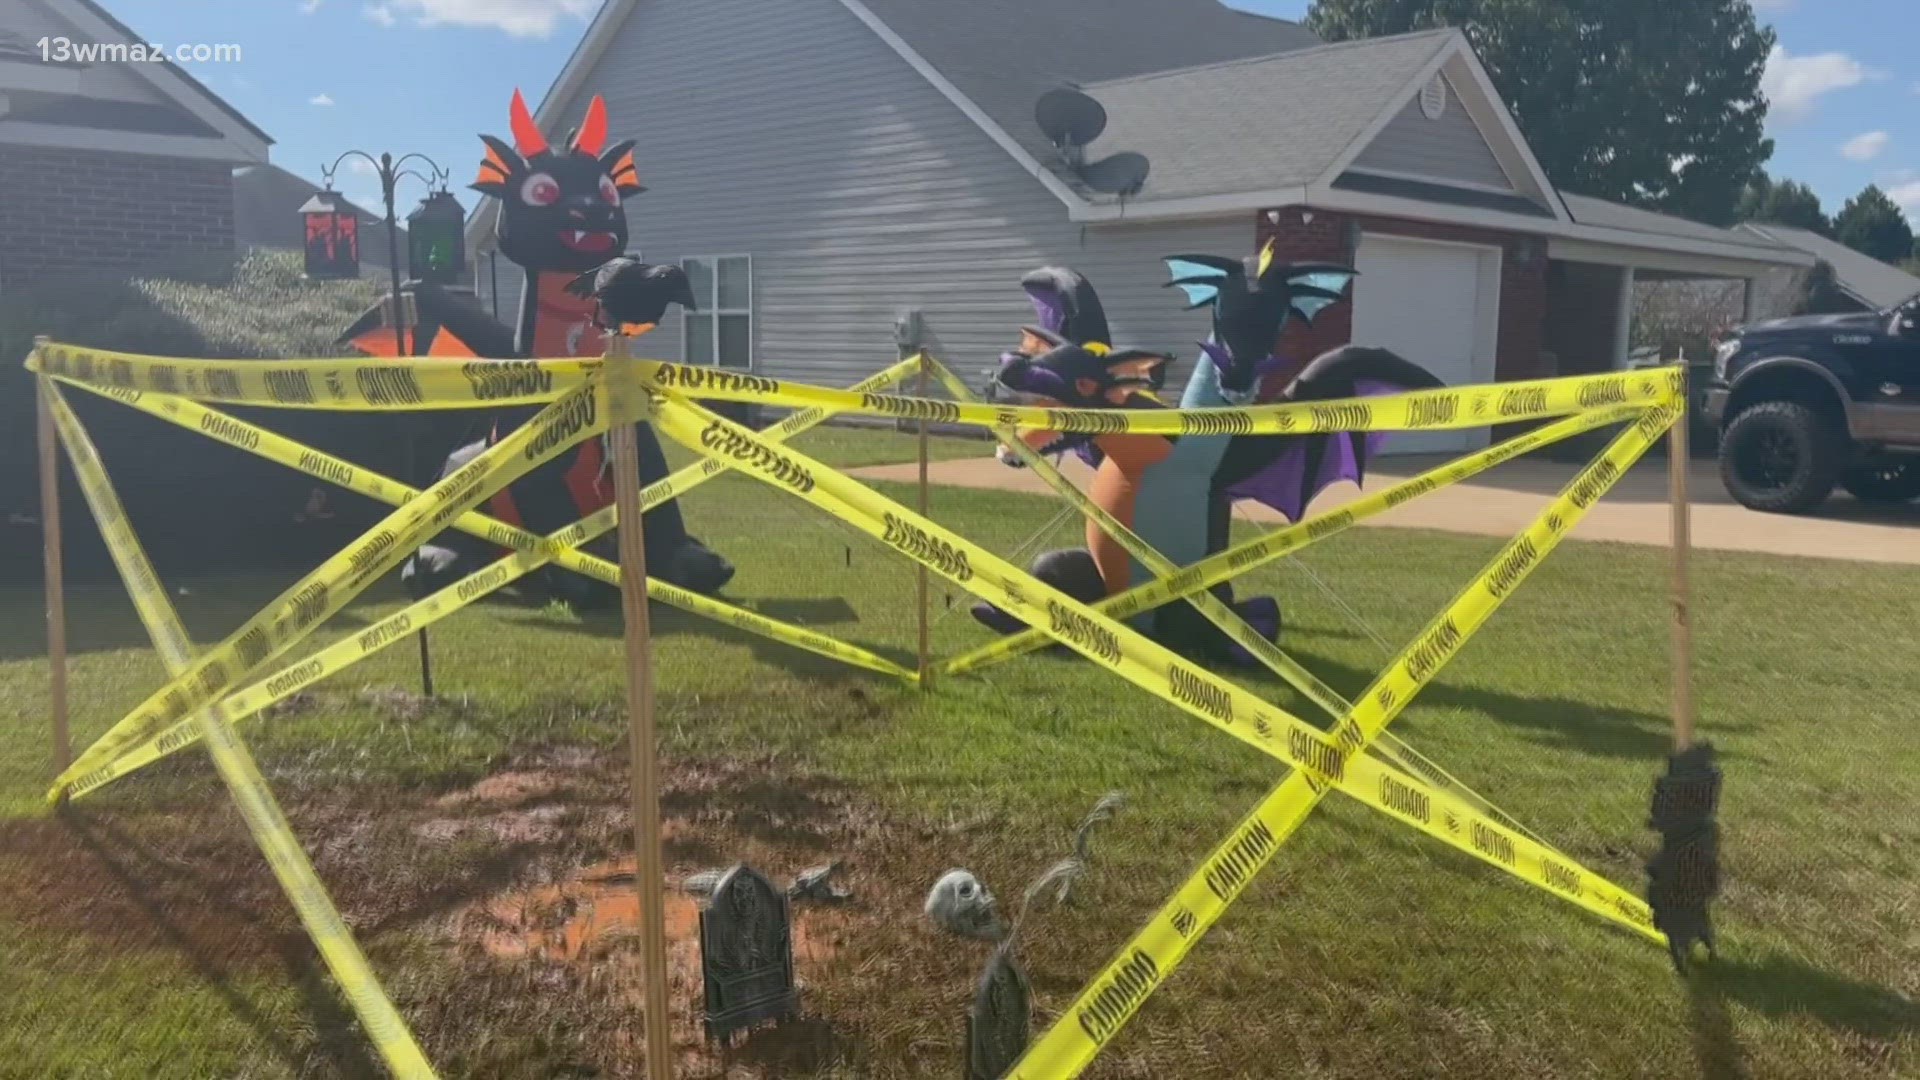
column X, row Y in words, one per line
column 1069, row 118
column 1121, row 174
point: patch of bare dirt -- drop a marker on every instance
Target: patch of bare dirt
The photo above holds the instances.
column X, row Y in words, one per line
column 524, row 879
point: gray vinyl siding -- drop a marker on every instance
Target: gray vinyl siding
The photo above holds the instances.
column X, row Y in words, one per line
column 786, row 130
column 1450, row 148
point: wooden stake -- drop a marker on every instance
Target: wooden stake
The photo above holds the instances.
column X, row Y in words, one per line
column 55, row 573
column 1678, row 462
column 649, row 874
column 426, row 664
column 926, row 650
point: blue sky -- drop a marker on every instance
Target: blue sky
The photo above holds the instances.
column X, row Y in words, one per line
column 323, row 76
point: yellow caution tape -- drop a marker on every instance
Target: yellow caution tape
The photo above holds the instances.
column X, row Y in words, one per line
column 437, row 384
column 1113, row 996
column 277, row 448
column 1389, row 749
column 356, row 384
column 236, row 766
column 317, row 596
column 291, row 679
column 1331, row 761
column 1241, row 558
column 1422, row 410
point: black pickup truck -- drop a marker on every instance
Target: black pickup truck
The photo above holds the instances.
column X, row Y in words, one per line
column 1806, row 403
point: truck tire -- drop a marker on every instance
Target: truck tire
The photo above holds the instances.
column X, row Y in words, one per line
column 1896, row 483
column 1780, row 457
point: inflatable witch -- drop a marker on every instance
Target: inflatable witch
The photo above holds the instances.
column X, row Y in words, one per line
column 560, row 219
column 1177, row 492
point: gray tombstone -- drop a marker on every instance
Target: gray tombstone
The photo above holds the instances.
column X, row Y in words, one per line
column 746, row 954
column 998, row 1022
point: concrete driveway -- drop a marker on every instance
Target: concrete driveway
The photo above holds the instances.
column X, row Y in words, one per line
column 1504, row 500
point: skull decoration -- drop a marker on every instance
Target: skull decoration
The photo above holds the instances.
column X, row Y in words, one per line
column 960, row 903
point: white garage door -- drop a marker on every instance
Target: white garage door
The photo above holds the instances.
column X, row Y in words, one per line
column 1430, row 303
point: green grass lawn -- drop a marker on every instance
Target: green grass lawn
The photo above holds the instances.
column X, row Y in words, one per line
column 139, row 935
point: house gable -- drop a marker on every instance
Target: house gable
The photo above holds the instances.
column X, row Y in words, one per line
column 1448, row 129
column 1434, row 138
column 150, row 108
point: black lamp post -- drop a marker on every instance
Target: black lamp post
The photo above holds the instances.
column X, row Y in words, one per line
column 446, row 253
column 436, row 252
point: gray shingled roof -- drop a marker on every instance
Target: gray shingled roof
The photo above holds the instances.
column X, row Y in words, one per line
column 1869, row 280
column 135, row 116
column 1003, row 54
column 1257, row 124
column 1610, row 215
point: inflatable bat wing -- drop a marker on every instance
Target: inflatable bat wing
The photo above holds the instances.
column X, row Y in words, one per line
column 1287, row 472
column 445, row 324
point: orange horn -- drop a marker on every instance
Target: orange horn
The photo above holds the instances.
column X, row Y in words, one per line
column 593, row 130
column 526, row 134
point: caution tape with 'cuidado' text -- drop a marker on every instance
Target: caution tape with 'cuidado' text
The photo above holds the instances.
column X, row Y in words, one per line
column 528, row 556
column 1330, row 761
column 1390, row 749
column 412, row 384
column 581, row 414
column 1143, row 964
column 255, row 801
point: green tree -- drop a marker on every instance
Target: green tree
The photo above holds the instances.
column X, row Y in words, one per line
column 1787, row 202
column 1651, row 102
column 1873, row 225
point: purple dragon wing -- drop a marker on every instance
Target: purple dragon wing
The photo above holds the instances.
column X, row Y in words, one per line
column 1066, row 304
column 1287, row 472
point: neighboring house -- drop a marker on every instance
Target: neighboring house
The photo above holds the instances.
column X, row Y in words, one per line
column 1862, row 282
column 112, row 165
column 266, row 215
column 823, row 166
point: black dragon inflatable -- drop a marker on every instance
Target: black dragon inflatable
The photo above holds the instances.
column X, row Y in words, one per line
column 561, row 219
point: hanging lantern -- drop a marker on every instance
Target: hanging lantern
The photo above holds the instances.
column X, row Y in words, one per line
column 332, row 230
column 437, row 240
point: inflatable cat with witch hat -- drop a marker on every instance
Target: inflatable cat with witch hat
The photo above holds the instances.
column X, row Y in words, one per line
column 561, row 216
column 1177, row 493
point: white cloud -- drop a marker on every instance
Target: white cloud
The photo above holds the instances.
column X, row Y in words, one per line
column 1774, row 5
column 1794, row 83
column 379, row 13
column 362, row 165
column 320, row 99
column 1865, row 147
column 308, row 7
column 518, row 18
column 1907, row 195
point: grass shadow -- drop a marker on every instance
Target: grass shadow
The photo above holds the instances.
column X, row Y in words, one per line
column 1716, row 1048
column 335, row 1030
column 1779, row 985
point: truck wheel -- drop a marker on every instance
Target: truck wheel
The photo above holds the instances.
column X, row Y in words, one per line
column 1883, row 483
column 1780, row 457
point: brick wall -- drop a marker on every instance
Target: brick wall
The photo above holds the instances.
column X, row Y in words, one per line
column 1586, row 304
column 92, row 213
column 1523, row 286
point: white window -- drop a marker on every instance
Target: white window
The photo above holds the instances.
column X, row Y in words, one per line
column 721, row 332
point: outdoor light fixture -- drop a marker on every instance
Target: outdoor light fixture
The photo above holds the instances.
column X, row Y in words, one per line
column 436, row 239
column 332, row 231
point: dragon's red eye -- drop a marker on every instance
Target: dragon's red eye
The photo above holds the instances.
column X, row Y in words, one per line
column 540, row 190
column 609, row 191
